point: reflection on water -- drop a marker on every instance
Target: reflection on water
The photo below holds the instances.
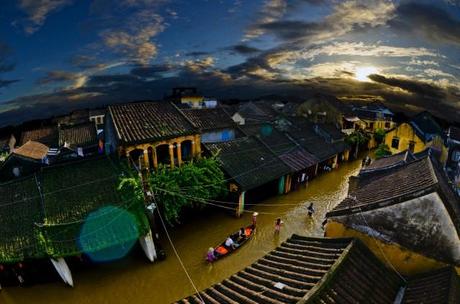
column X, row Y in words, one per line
column 134, row 280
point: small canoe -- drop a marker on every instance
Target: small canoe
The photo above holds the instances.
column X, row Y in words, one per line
column 222, row 251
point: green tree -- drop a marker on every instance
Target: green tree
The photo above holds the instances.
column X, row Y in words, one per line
column 379, row 135
column 357, row 139
column 187, row 186
column 382, row 151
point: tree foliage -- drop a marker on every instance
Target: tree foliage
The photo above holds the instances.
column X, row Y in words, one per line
column 174, row 190
column 382, row 151
column 357, row 139
column 379, row 135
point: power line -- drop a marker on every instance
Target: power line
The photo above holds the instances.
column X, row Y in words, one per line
column 177, row 254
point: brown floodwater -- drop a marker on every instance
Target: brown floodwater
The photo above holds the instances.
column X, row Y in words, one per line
column 134, row 280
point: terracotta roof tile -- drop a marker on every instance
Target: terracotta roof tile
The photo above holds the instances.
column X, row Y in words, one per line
column 33, row 150
column 149, row 121
column 81, row 135
column 209, row 119
column 47, row 136
column 317, row 270
column 439, row 286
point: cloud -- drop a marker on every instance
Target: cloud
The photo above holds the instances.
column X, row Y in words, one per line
column 152, row 71
column 346, row 16
column 362, row 49
column 38, row 10
column 6, row 83
column 134, row 41
column 199, row 65
column 6, row 65
column 427, row 21
column 76, row 80
column 243, row 49
column 197, row 54
column 272, row 10
column 412, row 86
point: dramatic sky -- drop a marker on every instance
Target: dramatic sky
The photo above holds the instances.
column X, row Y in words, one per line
column 57, row 55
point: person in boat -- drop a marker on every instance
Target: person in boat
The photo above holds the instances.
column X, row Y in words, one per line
column 242, row 234
column 278, row 224
column 211, row 257
column 230, row 243
column 310, row 210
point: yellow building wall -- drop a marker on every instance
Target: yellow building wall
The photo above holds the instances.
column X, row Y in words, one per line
column 196, row 147
column 406, row 134
column 193, row 101
column 402, row 259
column 379, row 124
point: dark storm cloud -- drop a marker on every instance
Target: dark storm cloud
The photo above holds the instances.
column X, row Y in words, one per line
column 6, row 65
column 5, row 83
column 58, row 76
column 105, row 80
column 197, row 54
column 243, row 49
column 428, row 21
column 152, row 70
column 293, row 30
column 413, row 86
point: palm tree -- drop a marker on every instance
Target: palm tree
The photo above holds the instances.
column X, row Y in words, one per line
column 357, row 138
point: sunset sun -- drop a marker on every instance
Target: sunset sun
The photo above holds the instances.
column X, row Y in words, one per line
column 362, row 73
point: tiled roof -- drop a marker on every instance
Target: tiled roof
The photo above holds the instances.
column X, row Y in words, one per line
column 148, row 121
column 331, row 130
column 247, row 161
column 209, row 119
column 313, row 270
column 276, row 140
column 19, row 211
column 33, row 150
column 425, row 126
column 303, row 133
column 73, row 193
column 286, row 149
column 384, row 187
column 391, row 184
column 439, row 286
column 257, row 112
column 47, row 136
column 298, row 159
column 389, row 161
column 82, row 135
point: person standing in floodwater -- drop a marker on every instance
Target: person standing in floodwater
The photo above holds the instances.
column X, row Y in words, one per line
column 254, row 219
column 310, row 210
column 278, row 224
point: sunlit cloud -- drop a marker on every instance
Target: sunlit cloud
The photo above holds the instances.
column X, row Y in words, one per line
column 38, row 10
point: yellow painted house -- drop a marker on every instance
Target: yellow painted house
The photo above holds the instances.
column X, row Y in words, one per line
column 374, row 116
column 405, row 211
column 417, row 135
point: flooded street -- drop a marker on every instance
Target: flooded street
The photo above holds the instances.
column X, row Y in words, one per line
column 134, row 280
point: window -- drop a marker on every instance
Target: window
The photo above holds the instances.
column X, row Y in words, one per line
column 456, row 156
column 387, row 125
column 371, row 125
column 411, row 146
column 395, row 143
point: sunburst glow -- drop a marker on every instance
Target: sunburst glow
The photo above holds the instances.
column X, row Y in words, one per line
column 362, row 73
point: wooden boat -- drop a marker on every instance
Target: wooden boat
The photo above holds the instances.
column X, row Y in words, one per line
column 221, row 251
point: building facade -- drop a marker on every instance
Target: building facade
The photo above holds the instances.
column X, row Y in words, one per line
column 151, row 133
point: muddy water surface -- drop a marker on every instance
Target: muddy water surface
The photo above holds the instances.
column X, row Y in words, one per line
column 133, row 280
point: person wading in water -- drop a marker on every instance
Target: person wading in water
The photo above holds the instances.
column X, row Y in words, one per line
column 310, row 210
